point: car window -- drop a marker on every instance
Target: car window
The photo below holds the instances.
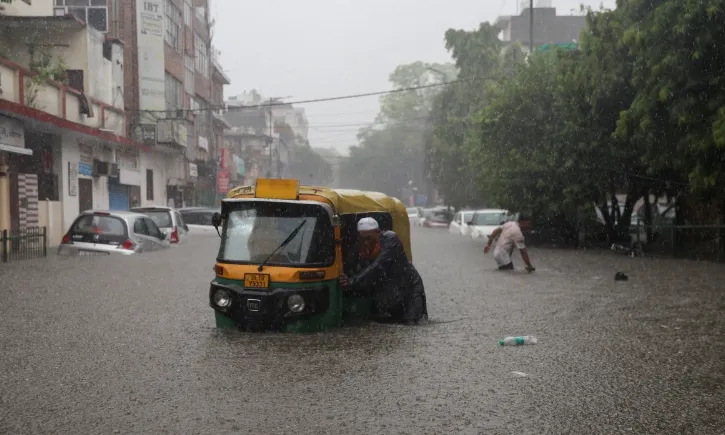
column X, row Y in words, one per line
column 139, row 227
column 179, row 220
column 152, row 228
column 107, row 225
column 162, row 218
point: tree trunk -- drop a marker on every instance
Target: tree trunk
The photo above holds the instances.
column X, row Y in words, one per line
column 648, row 215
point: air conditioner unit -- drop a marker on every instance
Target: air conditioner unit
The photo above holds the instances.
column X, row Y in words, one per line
column 113, row 170
column 171, row 131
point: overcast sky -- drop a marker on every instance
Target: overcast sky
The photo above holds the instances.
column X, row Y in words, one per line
column 324, row 48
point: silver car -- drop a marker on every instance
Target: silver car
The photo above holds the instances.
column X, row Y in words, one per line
column 198, row 219
column 168, row 220
column 103, row 232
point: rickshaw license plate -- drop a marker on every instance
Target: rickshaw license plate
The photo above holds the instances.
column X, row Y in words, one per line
column 256, row 280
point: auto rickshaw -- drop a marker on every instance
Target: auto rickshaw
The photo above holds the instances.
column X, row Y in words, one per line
column 283, row 249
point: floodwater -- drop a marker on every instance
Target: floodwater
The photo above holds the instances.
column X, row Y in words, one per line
column 128, row 345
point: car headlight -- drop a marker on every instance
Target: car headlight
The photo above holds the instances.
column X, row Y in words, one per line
column 222, row 298
column 296, row 303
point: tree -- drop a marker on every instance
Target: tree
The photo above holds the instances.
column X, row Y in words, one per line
column 390, row 153
column 477, row 57
column 678, row 112
column 309, row 167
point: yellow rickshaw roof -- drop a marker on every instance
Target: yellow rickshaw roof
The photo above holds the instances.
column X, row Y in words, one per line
column 349, row 201
column 345, row 201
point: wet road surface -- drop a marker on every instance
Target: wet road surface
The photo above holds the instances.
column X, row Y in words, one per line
column 128, row 345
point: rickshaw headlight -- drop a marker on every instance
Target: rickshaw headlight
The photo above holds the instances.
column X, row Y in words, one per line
column 222, row 298
column 296, row 303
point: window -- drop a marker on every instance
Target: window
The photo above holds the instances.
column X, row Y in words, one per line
column 188, row 14
column 174, row 91
column 189, row 75
column 93, row 12
column 98, row 229
column 152, row 228
column 253, row 230
column 202, row 119
column 139, row 227
column 202, row 55
column 172, row 21
column 149, row 184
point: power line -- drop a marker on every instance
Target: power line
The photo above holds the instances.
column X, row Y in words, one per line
column 316, row 100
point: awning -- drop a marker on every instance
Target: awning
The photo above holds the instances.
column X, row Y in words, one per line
column 17, row 150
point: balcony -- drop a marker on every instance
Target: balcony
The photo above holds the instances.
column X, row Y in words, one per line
column 172, row 133
column 57, row 105
column 219, row 75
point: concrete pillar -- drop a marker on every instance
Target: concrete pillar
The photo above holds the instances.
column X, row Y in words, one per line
column 4, row 197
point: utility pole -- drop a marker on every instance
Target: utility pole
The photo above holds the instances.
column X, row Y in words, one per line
column 271, row 138
column 531, row 26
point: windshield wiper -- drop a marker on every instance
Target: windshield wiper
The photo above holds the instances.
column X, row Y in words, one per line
column 283, row 244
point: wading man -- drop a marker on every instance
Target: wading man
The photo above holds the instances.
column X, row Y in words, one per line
column 509, row 236
column 396, row 287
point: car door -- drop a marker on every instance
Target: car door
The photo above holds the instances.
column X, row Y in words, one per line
column 181, row 226
column 140, row 230
column 157, row 239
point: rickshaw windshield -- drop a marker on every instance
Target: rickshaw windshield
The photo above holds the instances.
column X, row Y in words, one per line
column 254, row 229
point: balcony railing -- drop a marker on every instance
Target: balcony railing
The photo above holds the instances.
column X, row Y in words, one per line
column 18, row 86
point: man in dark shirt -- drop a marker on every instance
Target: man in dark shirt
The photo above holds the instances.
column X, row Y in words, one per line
column 397, row 288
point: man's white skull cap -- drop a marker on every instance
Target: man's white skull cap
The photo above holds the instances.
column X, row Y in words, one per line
column 367, row 224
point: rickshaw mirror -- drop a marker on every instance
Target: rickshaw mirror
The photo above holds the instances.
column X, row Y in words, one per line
column 216, row 220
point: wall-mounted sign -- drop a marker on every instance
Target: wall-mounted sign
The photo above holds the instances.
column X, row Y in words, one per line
column 12, row 136
column 203, row 143
column 193, row 172
column 72, row 178
column 145, row 134
column 150, row 37
column 223, row 181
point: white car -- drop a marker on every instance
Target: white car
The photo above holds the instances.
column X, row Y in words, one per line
column 483, row 222
column 459, row 224
column 413, row 215
column 168, row 220
column 198, row 220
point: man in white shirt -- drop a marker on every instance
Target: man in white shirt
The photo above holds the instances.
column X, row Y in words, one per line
column 509, row 236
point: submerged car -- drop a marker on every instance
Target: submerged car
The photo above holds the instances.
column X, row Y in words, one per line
column 168, row 220
column 459, row 224
column 485, row 221
column 198, row 219
column 438, row 218
column 102, row 232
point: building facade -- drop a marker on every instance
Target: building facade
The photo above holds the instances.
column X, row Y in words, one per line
column 549, row 28
column 174, row 85
column 106, row 104
column 62, row 118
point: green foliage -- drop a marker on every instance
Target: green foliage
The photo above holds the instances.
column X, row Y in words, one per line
column 309, row 167
column 390, row 153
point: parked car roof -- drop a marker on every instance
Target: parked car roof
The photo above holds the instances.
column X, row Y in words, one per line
column 118, row 213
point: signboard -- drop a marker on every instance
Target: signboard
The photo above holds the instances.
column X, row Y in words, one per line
column 12, row 136
column 151, row 72
column 223, row 181
column 145, row 134
column 193, row 172
column 203, row 143
column 72, row 178
column 85, row 162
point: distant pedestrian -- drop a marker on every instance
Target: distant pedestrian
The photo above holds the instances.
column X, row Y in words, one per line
column 508, row 236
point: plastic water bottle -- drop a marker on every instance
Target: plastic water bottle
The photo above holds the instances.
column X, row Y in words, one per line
column 518, row 341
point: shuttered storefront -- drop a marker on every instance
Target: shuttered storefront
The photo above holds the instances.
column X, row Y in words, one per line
column 117, row 194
